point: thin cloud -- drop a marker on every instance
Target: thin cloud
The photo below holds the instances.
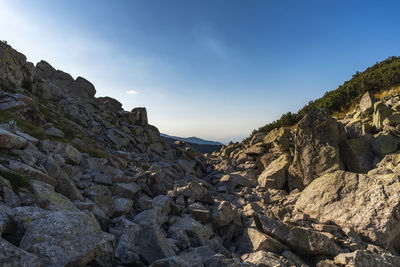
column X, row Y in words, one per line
column 132, row 92
column 216, row 47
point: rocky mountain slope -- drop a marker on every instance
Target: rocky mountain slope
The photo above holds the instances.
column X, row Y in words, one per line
column 85, row 183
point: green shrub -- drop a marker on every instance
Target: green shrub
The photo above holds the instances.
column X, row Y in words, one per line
column 381, row 76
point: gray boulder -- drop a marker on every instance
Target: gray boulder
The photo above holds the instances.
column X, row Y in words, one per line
column 320, row 146
column 64, row 238
column 275, row 175
column 9, row 140
column 302, row 240
column 12, row 256
column 366, row 203
column 367, row 103
column 143, row 242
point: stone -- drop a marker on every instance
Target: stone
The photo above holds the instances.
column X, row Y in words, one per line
column 9, row 140
column 53, row 131
column 194, row 191
column 302, row 240
column 102, row 178
column 82, row 88
column 223, row 213
column 126, row 190
column 13, row 68
column 253, row 240
column 381, row 113
column 317, row 141
column 64, row 184
column 279, row 138
column 364, row 258
column 50, row 234
column 367, row 103
column 171, row 261
column 31, row 172
column 263, row 259
column 201, row 215
column 255, row 150
column 362, row 148
column 385, row 144
column 122, row 206
column 366, row 203
column 143, row 203
column 162, row 203
column 191, row 227
column 151, row 217
column 197, row 256
column 55, row 201
column 138, row 116
column 275, row 175
column 71, row 154
column 11, row 256
column 109, row 103
column 234, row 179
column 146, row 241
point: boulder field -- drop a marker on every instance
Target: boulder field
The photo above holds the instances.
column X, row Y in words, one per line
column 85, row 183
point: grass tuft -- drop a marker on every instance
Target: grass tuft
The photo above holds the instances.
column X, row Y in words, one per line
column 17, row 180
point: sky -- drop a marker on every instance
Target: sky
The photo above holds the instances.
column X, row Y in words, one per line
column 212, row 69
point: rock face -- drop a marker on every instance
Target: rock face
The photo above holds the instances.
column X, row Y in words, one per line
column 317, row 141
column 367, row 103
column 10, row 140
column 11, row 255
column 275, row 175
column 65, row 231
column 366, row 203
column 85, row 183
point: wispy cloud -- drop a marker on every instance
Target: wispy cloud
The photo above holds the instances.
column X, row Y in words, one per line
column 132, row 92
column 216, row 46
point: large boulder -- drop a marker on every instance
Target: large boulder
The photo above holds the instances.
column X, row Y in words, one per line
column 79, row 88
column 194, row 191
column 361, row 258
column 302, row 240
column 385, row 144
column 381, row 113
column 31, row 172
column 138, row 116
column 263, row 259
column 320, row 146
column 11, row 256
column 275, row 175
column 64, row 238
column 367, row 102
column 145, row 242
column 254, row 240
column 362, row 148
column 109, row 104
column 191, row 227
column 367, row 203
column 9, row 140
column 279, row 138
column 234, row 179
column 15, row 72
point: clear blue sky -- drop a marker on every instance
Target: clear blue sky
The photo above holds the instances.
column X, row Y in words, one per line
column 212, row 69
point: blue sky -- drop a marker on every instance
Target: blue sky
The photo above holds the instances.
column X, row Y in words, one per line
column 213, row 69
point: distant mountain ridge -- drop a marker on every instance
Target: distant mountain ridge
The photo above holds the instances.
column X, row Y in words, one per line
column 201, row 145
column 193, row 139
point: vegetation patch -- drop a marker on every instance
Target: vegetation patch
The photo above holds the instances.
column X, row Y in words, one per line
column 95, row 153
column 17, row 180
column 380, row 77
